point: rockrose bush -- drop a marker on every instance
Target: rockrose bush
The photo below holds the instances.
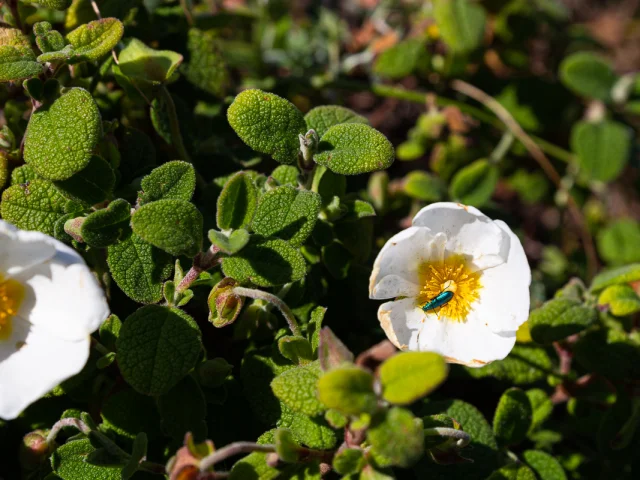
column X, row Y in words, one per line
column 360, row 239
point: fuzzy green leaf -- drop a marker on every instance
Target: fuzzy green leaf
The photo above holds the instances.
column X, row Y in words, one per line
column 95, row 39
column 207, row 68
column 36, row 205
column 541, row 407
column 237, row 202
column 328, row 184
column 268, row 124
column 157, row 346
column 513, row 417
column 47, row 39
column 409, row 376
column 544, row 465
column 68, row 463
column 231, row 244
column 324, row 117
column 104, row 227
column 621, row 300
column 176, row 179
column 461, row 23
column 23, row 174
column 348, row 389
column 93, row 184
column 297, row 389
column 348, row 461
column 616, row 276
column 294, row 348
column 286, row 175
column 602, row 148
column 287, row 213
column 618, row 242
column 475, row 183
column 313, row 432
column 513, row 472
column 18, row 63
column 265, row 263
column 558, row 319
column 402, row 59
column 138, row 154
column 423, row 186
column 61, row 137
column 525, row 364
column 139, row 268
column 137, row 60
column 109, row 331
column 174, row 226
column 128, row 412
column 353, row 148
column 588, row 75
column 183, row 409
column 397, row 439
column 55, row 4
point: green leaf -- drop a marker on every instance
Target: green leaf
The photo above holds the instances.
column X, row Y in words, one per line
column 174, row 226
column 423, row 186
column 610, row 353
column 91, row 185
column 286, row 175
column 402, row 59
column 296, row 388
column 617, row 242
column 328, row 184
column 602, row 148
column 127, row 413
column 287, row 213
column 176, row 179
column 348, row 389
column 513, row 417
column 139, row 268
column 513, row 472
column 616, row 276
column 349, row 461
column 313, row 432
column 409, row 376
column 33, row 206
column 68, row 463
column 545, row 466
column 104, row 227
column 95, row 39
column 475, row 183
column 268, row 124
column 237, row 202
column 525, row 364
column 207, row 68
column 286, row 447
column 541, row 407
column 588, row 75
column 265, row 263
column 231, row 244
column 314, row 327
column 138, row 455
column 58, row 56
column 212, row 373
column 55, row 4
column 137, row 60
column 18, row 63
column 61, row 137
column 48, row 40
column 324, row 117
column 397, row 439
column 461, row 24
column 157, row 346
column 621, row 300
column 558, row 319
column 138, row 154
column 296, row 349
column 23, row 174
column 353, row 148
column 183, row 409
column 109, row 331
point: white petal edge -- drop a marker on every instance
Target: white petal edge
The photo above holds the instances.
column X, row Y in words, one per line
column 470, row 343
column 395, row 271
column 20, row 250
column 62, row 296
column 469, row 232
column 26, row 374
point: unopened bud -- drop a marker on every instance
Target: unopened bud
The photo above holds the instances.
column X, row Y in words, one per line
column 224, row 305
column 34, row 450
column 73, row 228
column 185, row 464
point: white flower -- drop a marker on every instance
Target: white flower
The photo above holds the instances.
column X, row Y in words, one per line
column 49, row 305
column 456, row 248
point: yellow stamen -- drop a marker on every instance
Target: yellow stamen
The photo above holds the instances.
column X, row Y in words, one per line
column 11, row 296
column 454, row 275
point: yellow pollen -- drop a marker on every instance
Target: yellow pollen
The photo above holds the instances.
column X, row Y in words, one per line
column 11, row 295
column 453, row 274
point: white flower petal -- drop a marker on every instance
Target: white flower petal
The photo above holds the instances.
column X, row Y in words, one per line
column 20, row 250
column 401, row 320
column 469, row 232
column 62, row 296
column 40, row 364
column 504, row 299
column 395, row 271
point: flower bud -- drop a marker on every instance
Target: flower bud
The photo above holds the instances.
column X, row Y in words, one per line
column 224, row 305
column 34, row 450
column 185, row 464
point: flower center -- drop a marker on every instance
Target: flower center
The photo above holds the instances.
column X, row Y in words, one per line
column 11, row 295
column 452, row 275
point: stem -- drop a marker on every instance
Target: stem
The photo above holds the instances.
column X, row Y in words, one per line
column 94, row 5
column 538, row 155
column 187, row 12
column 503, row 147
column 99, row 347
column 152, row 467
column 67, row 422
column 231, row 450
column 13, row 6
column 273, row 299
column 462, row 438
column 189, row 278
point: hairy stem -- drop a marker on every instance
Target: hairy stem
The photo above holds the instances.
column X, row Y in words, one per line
column 462, row 438
column 67, row 422
column 232, row 450
column 274, row 300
